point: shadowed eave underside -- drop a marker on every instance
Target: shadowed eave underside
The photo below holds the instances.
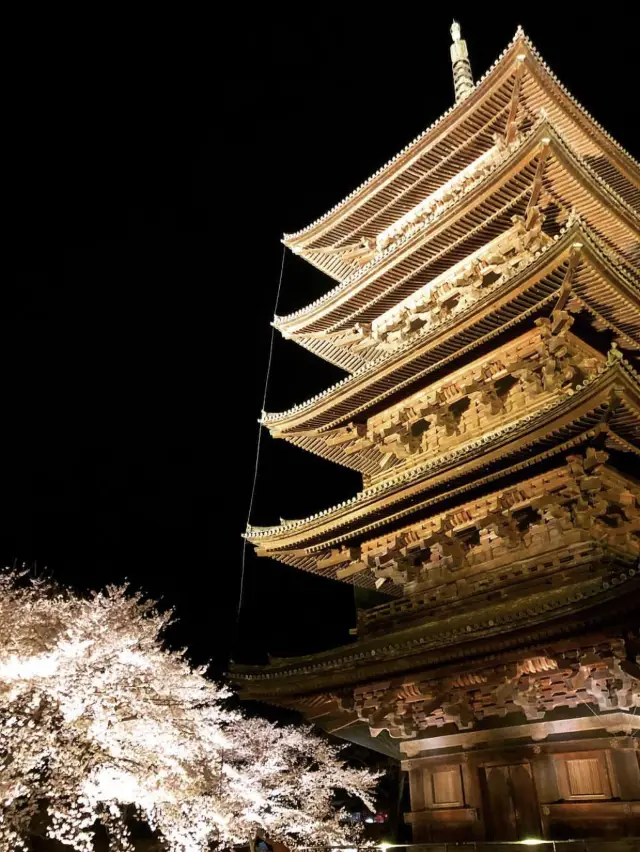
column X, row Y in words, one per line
column 425, row 352
column 368, row 459
column 559, row 425
column 471, row 223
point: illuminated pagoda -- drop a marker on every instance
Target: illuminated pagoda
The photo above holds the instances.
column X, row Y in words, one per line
column 486, row 309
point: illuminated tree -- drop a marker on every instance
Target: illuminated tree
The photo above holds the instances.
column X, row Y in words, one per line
column 98, row 718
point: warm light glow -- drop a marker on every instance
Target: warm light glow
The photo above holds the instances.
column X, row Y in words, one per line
column 100, row 717
column 533, row 841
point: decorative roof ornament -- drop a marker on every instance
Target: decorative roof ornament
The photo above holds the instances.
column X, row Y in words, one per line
column 614, row 354
column 462, row 76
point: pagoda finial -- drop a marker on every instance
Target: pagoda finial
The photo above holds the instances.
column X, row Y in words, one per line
column 462, row 77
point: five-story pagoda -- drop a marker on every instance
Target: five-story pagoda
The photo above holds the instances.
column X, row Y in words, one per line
column 486, row 310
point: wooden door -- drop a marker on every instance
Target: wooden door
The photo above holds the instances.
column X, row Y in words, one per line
column 511, row 808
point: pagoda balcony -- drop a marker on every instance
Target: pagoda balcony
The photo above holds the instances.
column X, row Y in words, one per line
column 567, row 560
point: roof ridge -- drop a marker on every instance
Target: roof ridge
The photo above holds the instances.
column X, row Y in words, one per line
column 519, row 35
column 414, row 142
column 586, row 165
column 534, row 50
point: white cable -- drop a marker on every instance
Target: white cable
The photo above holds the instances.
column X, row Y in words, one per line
column 255, row 470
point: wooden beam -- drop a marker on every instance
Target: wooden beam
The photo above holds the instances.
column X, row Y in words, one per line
column 511, row 128
column 536, row 187
column 356, row 568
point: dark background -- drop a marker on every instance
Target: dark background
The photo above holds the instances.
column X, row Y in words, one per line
column 157, row 164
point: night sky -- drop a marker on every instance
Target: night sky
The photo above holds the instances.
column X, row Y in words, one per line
column 157, row 165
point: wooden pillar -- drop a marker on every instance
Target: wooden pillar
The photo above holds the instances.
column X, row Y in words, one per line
column 416, row 788
column 473, row 794
column 416, row 792
column 546, row 783
column 624, row 762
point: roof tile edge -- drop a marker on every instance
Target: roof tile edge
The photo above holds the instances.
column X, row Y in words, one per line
column 520, row 35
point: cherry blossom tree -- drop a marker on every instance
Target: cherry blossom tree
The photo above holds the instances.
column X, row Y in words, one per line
column 98, row 719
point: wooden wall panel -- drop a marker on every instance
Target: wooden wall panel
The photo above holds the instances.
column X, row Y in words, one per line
column 626, row 767
column 447, row 787
column 583, row 776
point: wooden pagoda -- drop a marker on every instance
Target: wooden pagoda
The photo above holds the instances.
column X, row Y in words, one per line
column 486, row 311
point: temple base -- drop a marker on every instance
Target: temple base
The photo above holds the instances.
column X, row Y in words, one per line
column 569, row 778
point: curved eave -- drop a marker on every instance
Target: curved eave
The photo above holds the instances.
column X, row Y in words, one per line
column 504, row 68
column 558, row 422
column 334, row 307
column 591, row 128
column 367, row 461
column 410, row 153
column 376, row 381
column 386, row 284
column 499, row 628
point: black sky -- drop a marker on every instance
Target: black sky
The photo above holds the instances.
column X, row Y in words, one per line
column 157, row 165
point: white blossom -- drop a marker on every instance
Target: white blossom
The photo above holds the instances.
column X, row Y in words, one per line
column 99, row 720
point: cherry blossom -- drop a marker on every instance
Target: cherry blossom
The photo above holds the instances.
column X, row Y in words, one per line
column 99, row 720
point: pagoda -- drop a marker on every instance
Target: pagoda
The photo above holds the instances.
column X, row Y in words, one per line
column 486, row 310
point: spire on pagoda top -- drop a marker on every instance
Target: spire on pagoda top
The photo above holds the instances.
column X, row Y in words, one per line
column 462, row 76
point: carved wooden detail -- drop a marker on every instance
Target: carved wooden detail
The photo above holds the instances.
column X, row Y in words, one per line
column 521, row 379
column 531, row 687
column 487, row 287
column 454, row 293
column 579, row 502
